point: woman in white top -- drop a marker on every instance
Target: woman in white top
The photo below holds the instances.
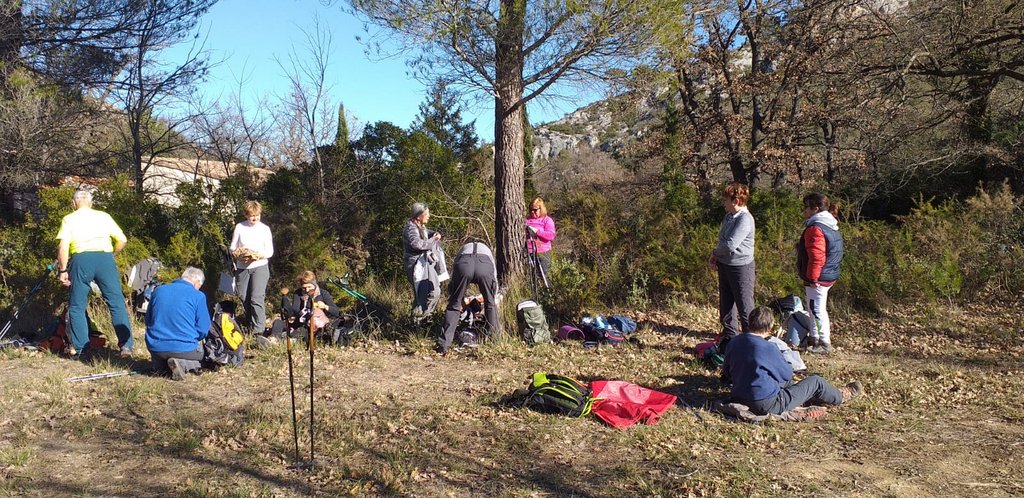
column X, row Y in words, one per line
column 251, row 247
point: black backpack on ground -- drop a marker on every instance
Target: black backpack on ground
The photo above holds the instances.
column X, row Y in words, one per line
column 224, row 343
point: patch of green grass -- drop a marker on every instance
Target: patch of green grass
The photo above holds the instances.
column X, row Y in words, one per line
column 57, row 392
column 134, row 395
column 183, row 434
column 83, row 425
column 17, row 457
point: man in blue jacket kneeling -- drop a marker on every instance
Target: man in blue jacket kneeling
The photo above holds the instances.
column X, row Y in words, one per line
column 175, row 323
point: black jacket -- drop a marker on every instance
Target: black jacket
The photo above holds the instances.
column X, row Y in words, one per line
column 296, row 307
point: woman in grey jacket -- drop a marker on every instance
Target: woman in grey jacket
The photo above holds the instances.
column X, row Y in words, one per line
column 423, row 261
column 733, row 258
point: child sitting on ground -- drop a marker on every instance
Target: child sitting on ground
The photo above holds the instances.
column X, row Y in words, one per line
column 763, row 380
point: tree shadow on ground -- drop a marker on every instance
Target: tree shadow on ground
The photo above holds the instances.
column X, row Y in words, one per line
column 697, row 390
column 547, row 477
column 663, row 328
column 137, row 441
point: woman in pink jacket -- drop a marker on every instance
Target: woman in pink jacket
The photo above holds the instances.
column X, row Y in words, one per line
column 543, row 229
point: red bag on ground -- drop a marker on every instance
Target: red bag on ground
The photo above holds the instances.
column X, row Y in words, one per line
column 622, row 404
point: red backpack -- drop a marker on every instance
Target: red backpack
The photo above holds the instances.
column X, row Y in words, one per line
column 58, row 342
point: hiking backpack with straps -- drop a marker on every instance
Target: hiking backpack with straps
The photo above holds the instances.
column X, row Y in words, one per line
column 550, row 393
column 533, row 325
column 59, row 341
column 142, row 278
column 223, row 344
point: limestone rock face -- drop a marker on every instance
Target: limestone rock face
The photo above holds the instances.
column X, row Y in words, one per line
column 605, row 126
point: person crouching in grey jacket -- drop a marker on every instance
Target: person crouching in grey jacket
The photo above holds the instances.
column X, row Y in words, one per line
column 424, row 262
column 733, row 258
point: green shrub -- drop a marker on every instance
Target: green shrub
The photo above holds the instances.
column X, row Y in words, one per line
column 574, row 291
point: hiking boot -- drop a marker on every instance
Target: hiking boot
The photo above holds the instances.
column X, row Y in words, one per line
column 84, row 356
column 126, row 352
column 263, row 342
column 177, row 371
column 820, row 348
column 813, row 413
column 851, row 390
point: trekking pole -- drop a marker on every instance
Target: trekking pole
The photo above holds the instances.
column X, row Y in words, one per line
column 312, row 341
column 291, row 380
column 695, row 412
column 540, row 268
column 531, row 237
column 17, row 311
column 102, row 375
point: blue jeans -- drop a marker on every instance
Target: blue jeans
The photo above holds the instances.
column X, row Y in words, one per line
column 85, row 268
column 798, row 327
column 812, row 390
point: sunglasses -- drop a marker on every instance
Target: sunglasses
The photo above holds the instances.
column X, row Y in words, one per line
column 534, row 210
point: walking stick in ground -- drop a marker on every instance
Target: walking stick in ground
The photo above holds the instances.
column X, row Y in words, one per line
column 291, row 381
column 312, row 341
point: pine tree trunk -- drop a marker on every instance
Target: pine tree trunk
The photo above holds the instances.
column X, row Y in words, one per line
column 509, row 164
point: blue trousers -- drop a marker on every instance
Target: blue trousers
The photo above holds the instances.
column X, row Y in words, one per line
column 85, row 268
column 812, row 390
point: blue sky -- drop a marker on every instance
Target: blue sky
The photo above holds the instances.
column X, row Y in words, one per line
column 247, row 35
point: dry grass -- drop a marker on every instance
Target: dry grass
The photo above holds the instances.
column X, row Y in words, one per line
column 942, row 417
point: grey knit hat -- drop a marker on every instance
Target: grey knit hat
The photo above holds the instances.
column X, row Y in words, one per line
column 417, row 209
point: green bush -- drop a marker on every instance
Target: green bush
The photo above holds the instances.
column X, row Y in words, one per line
column 573, row 293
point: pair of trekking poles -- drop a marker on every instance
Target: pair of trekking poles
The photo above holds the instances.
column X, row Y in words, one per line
column 17, row 311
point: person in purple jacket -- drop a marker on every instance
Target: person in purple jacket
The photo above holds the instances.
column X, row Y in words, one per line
column 762, row 379
column 543, row 228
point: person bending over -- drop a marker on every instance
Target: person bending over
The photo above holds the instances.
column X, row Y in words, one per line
column 763, row 380
column 175, row 323
column 474, row 264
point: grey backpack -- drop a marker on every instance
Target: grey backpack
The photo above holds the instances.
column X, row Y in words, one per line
column 532, row 324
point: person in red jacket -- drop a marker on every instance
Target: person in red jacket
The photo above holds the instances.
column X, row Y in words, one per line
column 819, row 256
